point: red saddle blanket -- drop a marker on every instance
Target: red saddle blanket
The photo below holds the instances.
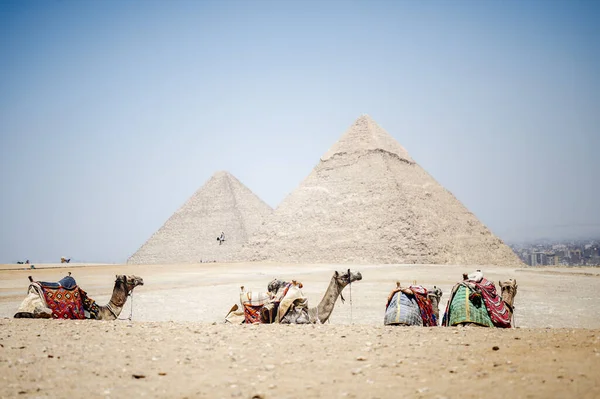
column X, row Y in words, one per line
column 252, row 313
column 65, row 303
column 495, row 305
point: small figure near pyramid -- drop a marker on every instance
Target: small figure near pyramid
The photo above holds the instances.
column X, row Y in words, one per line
column 221, row 238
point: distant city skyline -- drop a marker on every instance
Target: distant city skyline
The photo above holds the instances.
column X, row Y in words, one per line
column 112, row 114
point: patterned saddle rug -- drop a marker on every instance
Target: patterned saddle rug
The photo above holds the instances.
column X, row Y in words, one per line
column 476, row 302
column 64, row 299
column 409, row 306
column 283, row 303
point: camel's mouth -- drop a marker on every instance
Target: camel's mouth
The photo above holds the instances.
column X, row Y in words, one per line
column 355, row 277
column 135, row 280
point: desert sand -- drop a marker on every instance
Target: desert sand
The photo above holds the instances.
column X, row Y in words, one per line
column 176, row 345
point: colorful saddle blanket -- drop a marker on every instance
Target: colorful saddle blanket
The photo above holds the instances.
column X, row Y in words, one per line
column 66, row 303
column 409, row 306
column 67, row 300
column 476, row 302
column 464, row 307
column 285, row 305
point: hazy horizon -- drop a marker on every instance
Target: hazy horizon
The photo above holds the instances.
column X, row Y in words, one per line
column 112, row 114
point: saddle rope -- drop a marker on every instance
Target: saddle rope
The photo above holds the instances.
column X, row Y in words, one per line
column 350, row 287
column 131, row 308
column 514, row 320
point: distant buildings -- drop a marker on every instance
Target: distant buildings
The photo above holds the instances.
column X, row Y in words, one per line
column 571, row 254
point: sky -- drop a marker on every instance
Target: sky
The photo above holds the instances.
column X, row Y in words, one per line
column 113, row 113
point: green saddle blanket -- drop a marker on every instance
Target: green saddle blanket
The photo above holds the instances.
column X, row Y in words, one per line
column 463, row 309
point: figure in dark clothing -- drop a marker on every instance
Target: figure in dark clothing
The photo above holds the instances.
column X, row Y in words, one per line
column 221, row 238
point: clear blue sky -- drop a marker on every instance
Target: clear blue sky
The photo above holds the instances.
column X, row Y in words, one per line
column 113, row 113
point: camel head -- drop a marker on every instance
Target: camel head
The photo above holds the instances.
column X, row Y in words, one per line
column 508, row 288
column 435, row 296
column 435, row 293
column 130, row 282
column 343, row 279
column 275, row 285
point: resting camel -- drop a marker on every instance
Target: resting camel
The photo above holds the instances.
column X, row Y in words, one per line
column 412, row 306
column 435, row 296
column 321, row 313
column 317, row 314
column 36, row 304
column 124, row 285
column 474, row 302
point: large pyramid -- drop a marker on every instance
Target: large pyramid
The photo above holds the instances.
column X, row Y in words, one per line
column 223, row 204
column 367, row 201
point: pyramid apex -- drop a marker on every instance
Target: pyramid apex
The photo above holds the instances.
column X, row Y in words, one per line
column 220, row 174
column 366, row 135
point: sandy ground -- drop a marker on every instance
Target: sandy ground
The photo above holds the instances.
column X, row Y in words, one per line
column 175, row 349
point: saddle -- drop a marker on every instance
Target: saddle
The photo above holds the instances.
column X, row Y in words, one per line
column 65, row 298
column 488, row 308
column 414, row 294
column 68, row 283
column 283, row 303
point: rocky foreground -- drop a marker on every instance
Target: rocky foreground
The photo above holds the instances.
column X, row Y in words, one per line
column 49, row 358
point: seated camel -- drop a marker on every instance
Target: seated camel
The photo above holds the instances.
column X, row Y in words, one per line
column 284, row 302
column 474, row 301
column 66, row 300
column 412, row 306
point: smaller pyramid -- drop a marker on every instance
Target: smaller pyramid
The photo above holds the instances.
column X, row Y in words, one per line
column 222, row 205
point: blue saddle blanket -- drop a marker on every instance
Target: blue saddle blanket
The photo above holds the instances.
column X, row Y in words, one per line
column 68, row 283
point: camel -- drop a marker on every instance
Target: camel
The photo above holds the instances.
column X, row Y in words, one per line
column 35, row 304
column 321, row 313
column 412, row 306
column 316, row 315
column 508, row 292
column 435, row 296
column 474, row 302
column 123, row 288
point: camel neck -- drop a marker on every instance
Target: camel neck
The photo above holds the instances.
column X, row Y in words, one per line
column 118, row 299
column 508, row 298
column 325, row 307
